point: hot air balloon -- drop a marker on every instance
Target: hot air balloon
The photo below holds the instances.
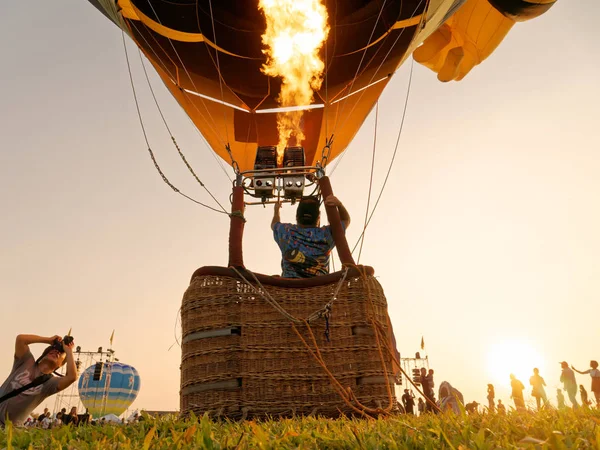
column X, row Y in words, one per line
column 256, row 345
column 108, row 388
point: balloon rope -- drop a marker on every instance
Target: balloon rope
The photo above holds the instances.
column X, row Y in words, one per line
column 183, row 158
column 212, row 19
column 163, row 176
column 393, row 155
column 362, row 237
column 337, row 116
column 173, row 79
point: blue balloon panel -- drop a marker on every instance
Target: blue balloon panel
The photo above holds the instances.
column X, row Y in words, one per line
column 113, row 393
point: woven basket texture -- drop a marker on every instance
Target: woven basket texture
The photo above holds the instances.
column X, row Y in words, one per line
column 263, row 368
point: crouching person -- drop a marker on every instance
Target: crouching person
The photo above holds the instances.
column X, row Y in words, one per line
column 31, row 381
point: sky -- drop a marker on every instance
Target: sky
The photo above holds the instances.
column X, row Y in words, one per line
column 485, row 240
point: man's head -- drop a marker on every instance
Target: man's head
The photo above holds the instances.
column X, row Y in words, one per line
column 423, row 371
column 536, row 370
column 406, row 391
column 564, row 364
column 53, row 358
column 308, row 212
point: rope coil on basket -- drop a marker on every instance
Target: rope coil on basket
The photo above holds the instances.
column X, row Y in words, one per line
column 346, row 394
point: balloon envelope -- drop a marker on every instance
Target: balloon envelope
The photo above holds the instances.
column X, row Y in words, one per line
column 113, row 393
column 209, row 54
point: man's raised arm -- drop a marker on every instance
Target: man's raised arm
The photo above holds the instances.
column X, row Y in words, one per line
column 24, row 340
column 276, row 216
column 71, row 375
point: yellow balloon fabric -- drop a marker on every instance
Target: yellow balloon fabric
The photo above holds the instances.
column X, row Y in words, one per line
column 464, row 40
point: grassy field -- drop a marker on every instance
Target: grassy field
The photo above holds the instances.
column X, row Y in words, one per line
column 548, row 429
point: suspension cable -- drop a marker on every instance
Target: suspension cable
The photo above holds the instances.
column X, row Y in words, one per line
column 393, row 155
column 173, row 78
column 212, row 19
column 215, row 128
column 359, row 64
column 362, row 238
column 339, row 160
column 163, row 176
column 183, row 158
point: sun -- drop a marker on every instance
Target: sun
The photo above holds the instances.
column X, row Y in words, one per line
column 513, row 356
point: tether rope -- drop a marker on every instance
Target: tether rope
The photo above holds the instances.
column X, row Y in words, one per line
column 362, row 238
column 346, row 394
column 393, row 155
column 137, row 106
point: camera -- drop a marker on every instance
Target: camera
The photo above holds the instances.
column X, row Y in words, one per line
column 59, row 345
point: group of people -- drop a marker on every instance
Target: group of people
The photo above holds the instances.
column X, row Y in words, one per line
column 538, row 391
column 425, row 380
column 45, row 419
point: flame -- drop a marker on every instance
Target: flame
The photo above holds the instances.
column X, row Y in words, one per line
column 296, row 31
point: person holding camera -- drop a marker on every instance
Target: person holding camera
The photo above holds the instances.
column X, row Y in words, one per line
column 31, row 381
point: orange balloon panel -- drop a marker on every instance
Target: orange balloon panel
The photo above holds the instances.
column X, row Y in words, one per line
column 464, row 40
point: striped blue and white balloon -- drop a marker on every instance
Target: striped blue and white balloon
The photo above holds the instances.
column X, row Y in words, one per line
column 113, row 393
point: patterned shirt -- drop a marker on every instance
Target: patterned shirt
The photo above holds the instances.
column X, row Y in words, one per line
column 305, row 251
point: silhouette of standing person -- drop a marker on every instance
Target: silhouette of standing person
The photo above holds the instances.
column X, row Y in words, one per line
column 408, row 400
column 426, row 389
column 491, row 395
column 517, row 392
column 538, row 391
column 595, row 374
column 560, row 399
column 421, row 406
column 567, row 377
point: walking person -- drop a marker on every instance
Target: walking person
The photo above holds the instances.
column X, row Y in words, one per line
column 567, row 378
column 595, row 375
column 538, row 391
column 491, row 395
column 517, row 393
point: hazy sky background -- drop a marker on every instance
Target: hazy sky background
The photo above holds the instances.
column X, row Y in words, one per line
column 487, row 233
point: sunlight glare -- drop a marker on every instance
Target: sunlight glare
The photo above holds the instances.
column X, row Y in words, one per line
column 516, row 357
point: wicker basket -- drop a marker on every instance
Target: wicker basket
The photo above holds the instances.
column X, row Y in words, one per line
column 242, row 359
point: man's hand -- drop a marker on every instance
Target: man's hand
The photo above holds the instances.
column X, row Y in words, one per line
column 332, row 201
column 71, row 375
column 51, row 340
column 68, row 347
column 276, row 217
column 344, row 215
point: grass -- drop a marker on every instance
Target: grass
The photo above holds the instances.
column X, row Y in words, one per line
column 549, row 429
